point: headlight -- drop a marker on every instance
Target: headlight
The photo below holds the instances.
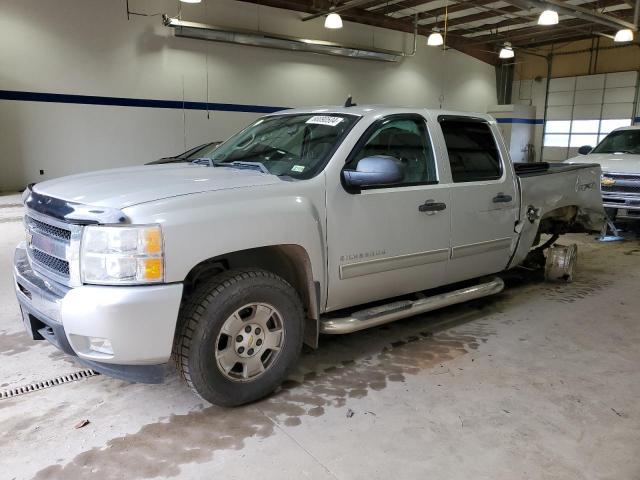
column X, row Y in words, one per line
column 122, row 255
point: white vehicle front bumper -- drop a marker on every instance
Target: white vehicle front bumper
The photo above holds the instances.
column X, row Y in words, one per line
column 138, row 322
column 628, row 206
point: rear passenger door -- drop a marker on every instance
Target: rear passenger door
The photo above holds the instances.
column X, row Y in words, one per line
column 484, row 205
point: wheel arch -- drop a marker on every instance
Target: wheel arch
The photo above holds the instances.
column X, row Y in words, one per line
column 289, row 261
column 556, row 222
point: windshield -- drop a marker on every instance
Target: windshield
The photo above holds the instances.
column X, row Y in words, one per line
column 296, row 146
column 621, row 141
column 203, row 151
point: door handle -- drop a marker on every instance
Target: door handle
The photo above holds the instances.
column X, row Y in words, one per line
column 430, row 207
column 502, row 198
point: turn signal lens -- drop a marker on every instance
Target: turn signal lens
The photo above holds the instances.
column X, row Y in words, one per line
column 152, row 239
column 152, row 269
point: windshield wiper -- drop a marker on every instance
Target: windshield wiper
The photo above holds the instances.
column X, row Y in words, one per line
column 245, row 166
column 203, row 161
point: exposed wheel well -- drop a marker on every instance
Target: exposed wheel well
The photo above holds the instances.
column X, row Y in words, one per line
column 558, row 222
column 291, row 262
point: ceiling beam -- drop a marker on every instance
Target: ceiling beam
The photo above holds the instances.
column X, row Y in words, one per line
column 567, row 38
column 456, row 7
column 575, row 27
column 509, row 12
column 577, row 12
column 406, row 24
column 522, row 20
column 342, row 8
column 396, row 7
column 455, row 22
column 578, row 27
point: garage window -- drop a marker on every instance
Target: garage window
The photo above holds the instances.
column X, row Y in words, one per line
column 583, row 110
column 472, row 149
column 576, row 133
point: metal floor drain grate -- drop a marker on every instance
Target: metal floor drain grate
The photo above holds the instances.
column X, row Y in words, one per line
column 42, row 384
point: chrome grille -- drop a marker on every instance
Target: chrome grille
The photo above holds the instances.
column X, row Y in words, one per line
column 50, row 262
column 622, row 189
column 625, row 184
column 46, row 229
column 53, row 247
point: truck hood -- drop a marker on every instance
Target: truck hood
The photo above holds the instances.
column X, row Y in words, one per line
column 124, row 187
column 611, row 162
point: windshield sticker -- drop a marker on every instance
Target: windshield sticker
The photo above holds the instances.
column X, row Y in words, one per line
column 325, row 120
column 297, row 168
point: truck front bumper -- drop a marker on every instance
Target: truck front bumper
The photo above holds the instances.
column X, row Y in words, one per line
column 627, row 206
column 125, row 332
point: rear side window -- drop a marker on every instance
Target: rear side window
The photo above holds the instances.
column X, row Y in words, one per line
column 473, row 153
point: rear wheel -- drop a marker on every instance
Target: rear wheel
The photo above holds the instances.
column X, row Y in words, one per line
column 241, row 333
column 560, row 263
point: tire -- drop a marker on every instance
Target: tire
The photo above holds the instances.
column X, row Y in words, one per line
column 230, row 314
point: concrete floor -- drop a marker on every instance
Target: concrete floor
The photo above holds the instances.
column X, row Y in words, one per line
column 541, row 381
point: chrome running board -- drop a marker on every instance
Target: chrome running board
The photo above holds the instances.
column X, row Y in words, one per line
column 372, row 317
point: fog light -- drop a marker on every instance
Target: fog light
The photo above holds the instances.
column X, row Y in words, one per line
column 100, row 345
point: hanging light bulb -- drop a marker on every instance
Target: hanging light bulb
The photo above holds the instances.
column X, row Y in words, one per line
column 624, row 35
column 507, row 51
column 548, row 17
column 333, row 21
column 435, row 38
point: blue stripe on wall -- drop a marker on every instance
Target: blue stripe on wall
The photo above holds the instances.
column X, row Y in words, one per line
column 133, row 102
column 528, row 121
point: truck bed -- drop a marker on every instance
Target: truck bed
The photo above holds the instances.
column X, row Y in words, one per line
column 553, row 189
column 536, row 169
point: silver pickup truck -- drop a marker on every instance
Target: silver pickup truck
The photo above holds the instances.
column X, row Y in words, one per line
column 292, row 229
column 618, row 154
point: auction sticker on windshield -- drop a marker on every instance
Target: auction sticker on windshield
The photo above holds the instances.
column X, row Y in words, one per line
column 325, row 120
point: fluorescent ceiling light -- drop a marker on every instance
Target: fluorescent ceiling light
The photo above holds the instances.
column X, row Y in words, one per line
column 333, row 21
column 435, row 38
column 624, row 35
column 548, row 17
column 506, row 51
column 190, row 1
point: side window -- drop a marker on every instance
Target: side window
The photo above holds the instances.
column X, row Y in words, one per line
column 407, row 141
column 473, row 153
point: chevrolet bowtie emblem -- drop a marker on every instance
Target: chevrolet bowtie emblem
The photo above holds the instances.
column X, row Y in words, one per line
column 608, row 182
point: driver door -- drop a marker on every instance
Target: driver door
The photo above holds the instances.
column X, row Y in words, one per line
column 382, row 241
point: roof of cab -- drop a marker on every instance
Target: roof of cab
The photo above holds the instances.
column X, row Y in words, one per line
column 378, row 111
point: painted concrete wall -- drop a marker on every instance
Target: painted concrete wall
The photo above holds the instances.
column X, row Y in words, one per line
column 88, row 47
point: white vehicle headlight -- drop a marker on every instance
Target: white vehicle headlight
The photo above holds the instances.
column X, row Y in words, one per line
column 122, row 255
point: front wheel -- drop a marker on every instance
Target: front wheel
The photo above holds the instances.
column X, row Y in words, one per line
column 240, row 336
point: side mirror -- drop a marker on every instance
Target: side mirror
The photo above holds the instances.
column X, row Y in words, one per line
column 380, row 170
column 585, row 149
